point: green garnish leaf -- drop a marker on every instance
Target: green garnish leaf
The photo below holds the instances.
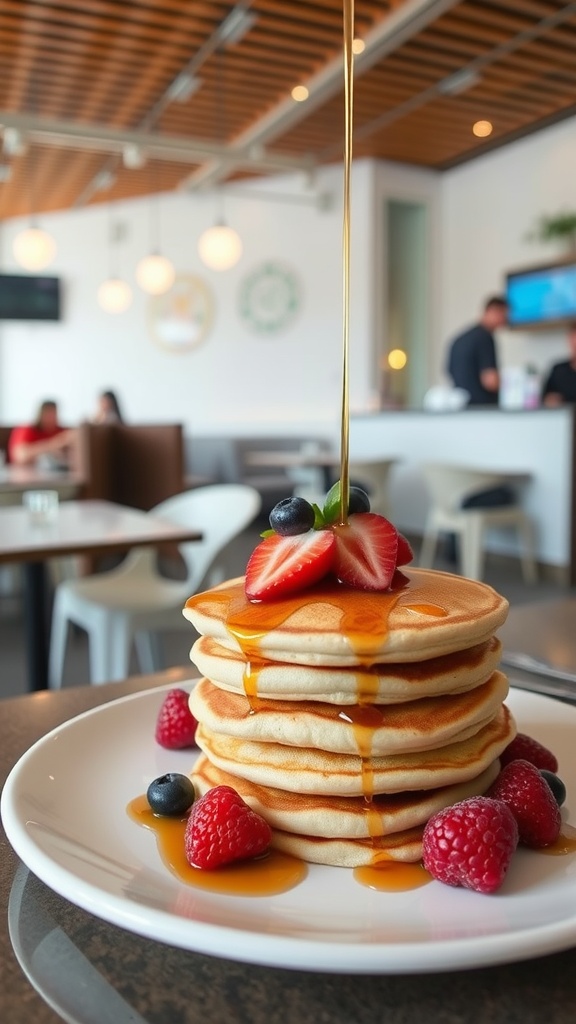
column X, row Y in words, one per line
column 268, row 533
column 331, row 510
column 319, row 520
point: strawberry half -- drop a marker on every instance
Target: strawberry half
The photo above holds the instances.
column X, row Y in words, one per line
column 281, row 565
column 405, row 553
column 366, row 551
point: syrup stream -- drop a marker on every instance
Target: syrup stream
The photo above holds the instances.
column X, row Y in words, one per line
column 348, row 111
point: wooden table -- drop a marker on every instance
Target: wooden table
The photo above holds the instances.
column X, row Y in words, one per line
column 81, row 528
column 135, row 979
column 15, row 480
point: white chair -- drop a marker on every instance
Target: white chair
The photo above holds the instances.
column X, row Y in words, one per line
column 375, row 475
column 132, row 602
column 448, row 486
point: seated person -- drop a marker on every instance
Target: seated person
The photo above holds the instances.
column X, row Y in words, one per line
column 560, row 385
column 43, row 438
column 108, row 410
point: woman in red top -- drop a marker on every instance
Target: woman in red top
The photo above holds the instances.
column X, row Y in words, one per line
column 43, row 437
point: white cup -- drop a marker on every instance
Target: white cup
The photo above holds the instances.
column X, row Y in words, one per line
column 42, row 506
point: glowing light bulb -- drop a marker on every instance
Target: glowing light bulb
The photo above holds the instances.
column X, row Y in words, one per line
column 34, row 248
column 114, row 295
column 397, row 359
column 482, row 129
column 299, row 93
column 220, row 247
column 155, row 274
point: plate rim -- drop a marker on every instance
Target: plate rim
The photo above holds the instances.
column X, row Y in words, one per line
column 290, row 952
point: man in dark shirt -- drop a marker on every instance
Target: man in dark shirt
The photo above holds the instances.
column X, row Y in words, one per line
column 472, row 360
column 560, row 385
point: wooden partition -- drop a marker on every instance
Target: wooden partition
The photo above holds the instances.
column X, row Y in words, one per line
column 138, row 466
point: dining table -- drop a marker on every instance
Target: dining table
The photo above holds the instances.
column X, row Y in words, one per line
column 78, row 528
column 61, row 962
column 15, row 480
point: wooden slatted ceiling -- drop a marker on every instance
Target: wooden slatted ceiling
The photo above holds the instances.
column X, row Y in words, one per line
column 109, row 63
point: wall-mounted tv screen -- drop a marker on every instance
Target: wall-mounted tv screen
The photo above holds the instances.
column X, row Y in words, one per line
column 542, row 296
column 26, row 297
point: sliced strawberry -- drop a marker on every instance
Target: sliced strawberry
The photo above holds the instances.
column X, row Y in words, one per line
column 280, row 565
column 366, row 551
column 405, row 553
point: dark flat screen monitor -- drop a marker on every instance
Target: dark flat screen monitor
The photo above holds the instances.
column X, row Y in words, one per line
column 28, row 297
column 542, row 296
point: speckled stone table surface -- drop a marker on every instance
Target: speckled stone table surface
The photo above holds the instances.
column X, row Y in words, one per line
column 90, row 972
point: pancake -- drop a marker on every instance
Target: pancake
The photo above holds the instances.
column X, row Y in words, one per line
column 308, row 770
column 387, row 684
column 351, row 853
column 433, row 614
column 372, row 730
column 340, row 816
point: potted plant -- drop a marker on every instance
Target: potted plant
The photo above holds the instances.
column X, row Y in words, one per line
column 558, row 227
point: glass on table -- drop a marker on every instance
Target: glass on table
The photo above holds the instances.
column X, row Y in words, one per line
column 42, row 506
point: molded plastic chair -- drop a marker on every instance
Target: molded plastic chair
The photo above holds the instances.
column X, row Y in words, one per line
column 375, row 475
column 130, row 603
column 448, row 486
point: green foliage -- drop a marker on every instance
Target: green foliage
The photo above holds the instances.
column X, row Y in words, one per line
column 560, row 226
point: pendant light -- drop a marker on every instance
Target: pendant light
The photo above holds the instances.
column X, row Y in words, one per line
column 220, row 247
column 114, row 294
column 33, row 248
column 155, row 273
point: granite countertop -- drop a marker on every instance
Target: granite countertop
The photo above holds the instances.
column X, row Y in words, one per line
column 95, row 973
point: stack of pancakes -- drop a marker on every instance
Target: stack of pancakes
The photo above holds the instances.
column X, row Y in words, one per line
column 347, row 718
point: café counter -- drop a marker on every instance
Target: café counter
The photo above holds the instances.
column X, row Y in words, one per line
column 539, row 443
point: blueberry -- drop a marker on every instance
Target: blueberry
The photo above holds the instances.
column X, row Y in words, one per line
column 292, row 516
column 556, row 785
column 171, row 795
column 358, row 501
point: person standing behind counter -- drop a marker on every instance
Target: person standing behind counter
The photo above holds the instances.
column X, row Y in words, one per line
column 472, row 359
column 560, row 385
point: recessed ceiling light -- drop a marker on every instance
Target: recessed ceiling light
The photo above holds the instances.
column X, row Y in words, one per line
column 482, row 129
column 300, row 93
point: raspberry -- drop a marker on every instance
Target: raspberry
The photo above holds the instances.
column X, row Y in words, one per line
column 525, row 748
column 471, row 844
column 531, row 801
column 223, row 828
column 175, row 725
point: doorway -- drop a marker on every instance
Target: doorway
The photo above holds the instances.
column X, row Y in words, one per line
column 403, row 353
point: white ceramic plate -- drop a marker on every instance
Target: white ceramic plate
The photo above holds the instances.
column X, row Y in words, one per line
column 63, row 808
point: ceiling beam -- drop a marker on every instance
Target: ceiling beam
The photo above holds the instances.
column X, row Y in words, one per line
column 71, row 135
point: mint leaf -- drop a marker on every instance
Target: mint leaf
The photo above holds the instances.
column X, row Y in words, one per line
column 331, row 510
column 319, row 520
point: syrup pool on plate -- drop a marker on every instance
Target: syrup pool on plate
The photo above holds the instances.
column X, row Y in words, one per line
column 268, row 875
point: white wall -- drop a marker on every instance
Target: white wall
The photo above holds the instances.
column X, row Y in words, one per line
column 490, row 205
column 236, row 381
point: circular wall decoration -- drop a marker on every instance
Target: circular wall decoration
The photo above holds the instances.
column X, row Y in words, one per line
column 269, row 298
column 180, row 319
